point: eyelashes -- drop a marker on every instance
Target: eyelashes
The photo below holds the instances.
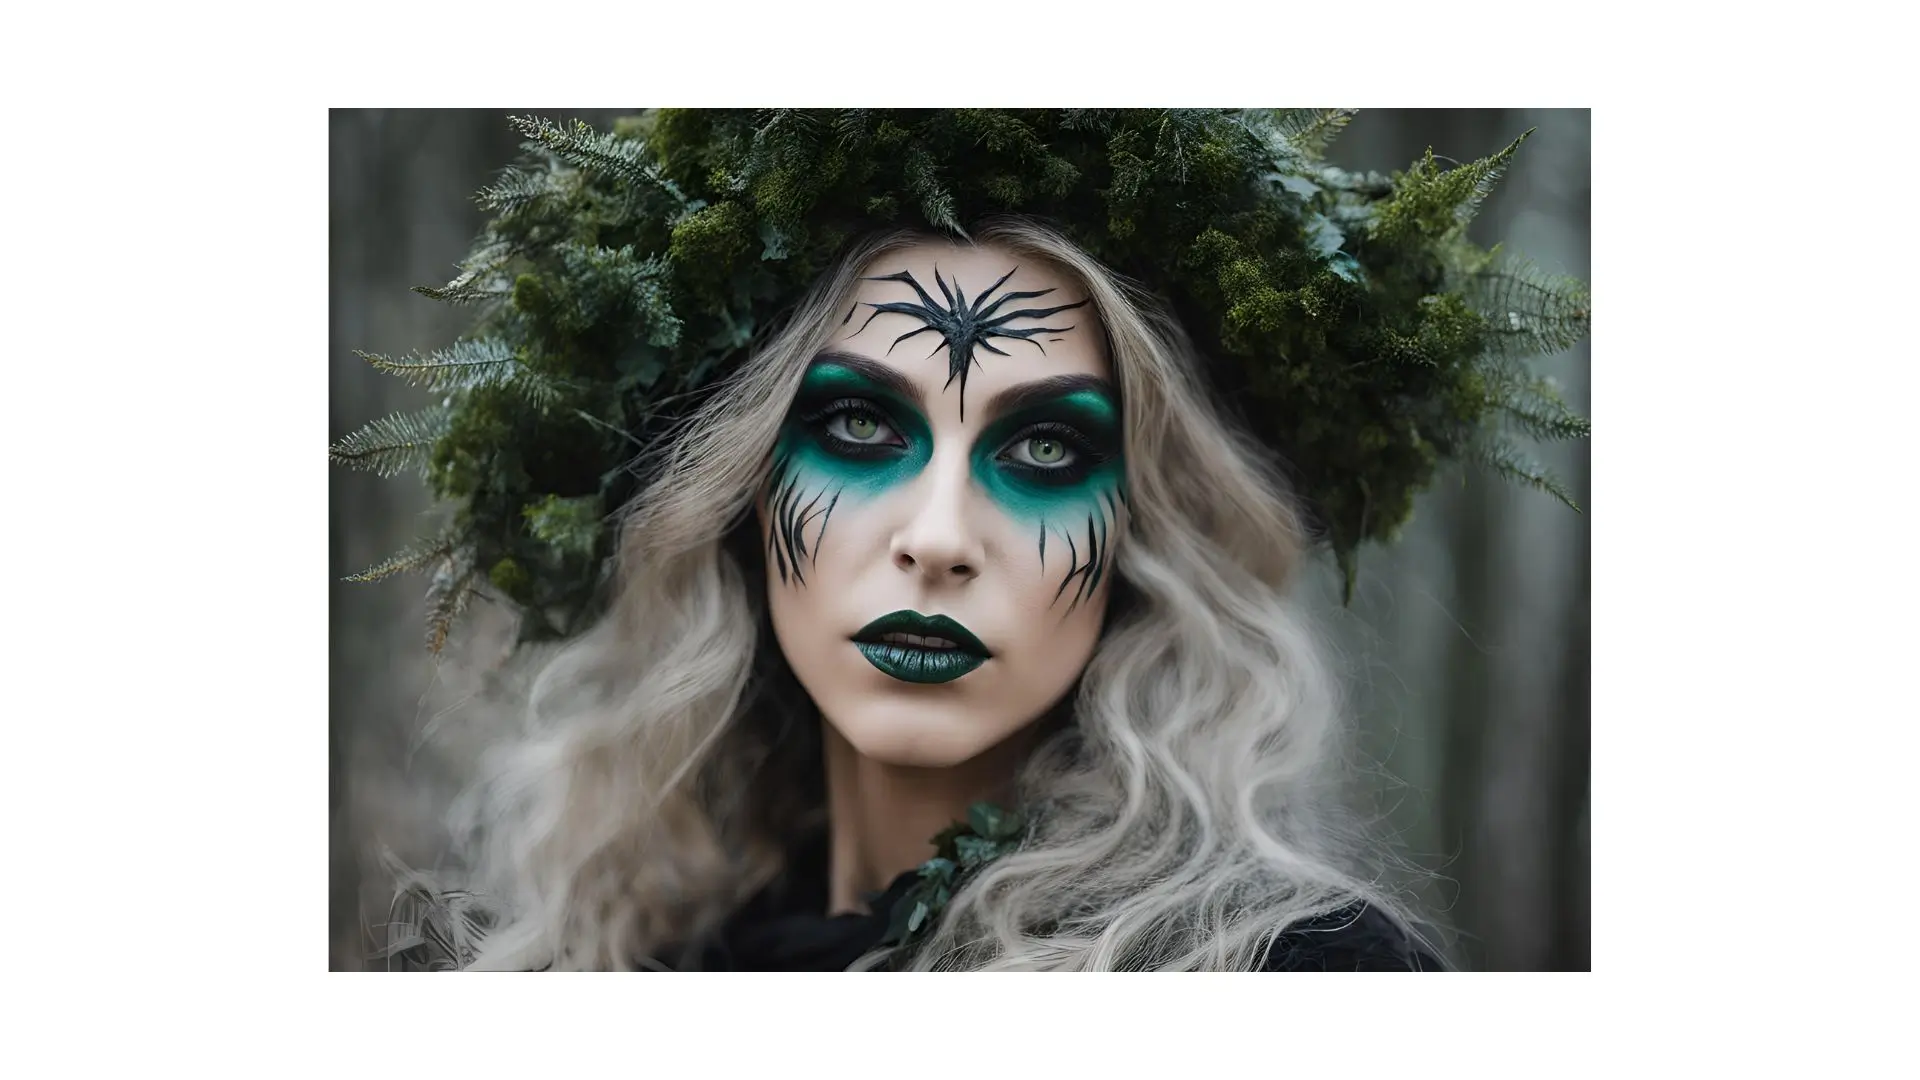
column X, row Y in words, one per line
column 1030, row 453
column 854, row 427
column 1046, row 453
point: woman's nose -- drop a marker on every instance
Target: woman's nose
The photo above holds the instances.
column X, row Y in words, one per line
column 941, row 538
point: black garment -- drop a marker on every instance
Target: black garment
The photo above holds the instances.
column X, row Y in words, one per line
column 783, row 930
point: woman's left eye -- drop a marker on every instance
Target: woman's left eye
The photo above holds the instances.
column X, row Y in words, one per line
column 1040, row 452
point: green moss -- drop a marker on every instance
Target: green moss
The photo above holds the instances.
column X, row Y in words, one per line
column 706, row 244
column 1004, row 190
column 511, row 579
column 530, row 296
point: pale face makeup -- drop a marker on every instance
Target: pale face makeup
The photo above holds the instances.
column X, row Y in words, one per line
column 946, row 494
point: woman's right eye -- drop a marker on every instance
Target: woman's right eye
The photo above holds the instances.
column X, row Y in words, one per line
column 858, row 427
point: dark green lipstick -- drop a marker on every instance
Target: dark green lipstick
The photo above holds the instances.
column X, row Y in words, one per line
column 920, row 648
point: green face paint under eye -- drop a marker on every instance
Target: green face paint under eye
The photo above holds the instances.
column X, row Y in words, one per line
column 849, row 431
column 1057, row 466
column 1052, row 457
column 847, row 438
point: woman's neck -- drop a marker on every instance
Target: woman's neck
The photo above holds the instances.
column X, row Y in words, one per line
column 882, row 818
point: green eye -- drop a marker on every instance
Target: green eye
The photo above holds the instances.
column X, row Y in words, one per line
column 1044, row 452
column 857, row 427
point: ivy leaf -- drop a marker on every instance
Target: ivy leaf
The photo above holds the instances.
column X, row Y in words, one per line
column 945, row 839
column 1299, row 185
column 569, row 526
column 1323, row 236
column 994, row 823
column 1347, row 267
column 975, row 850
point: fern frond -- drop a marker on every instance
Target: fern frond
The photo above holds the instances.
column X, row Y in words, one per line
column 1485, row 175
column 1431, row 203
column 603, row 152
column 468, row 365
column 790, row 126
column 517, row 189
column 1529, row 311
column 482, row 277
column 1502, row 457
column 464, row 365
column 417, row 556
column 458, row 292
column 617, row 284
column 850, row 126
column 392, row 444
column 1086, row 119
column 1534, row 406
column 936, row 202
column 453, row 588
column 1310, row 131
column 1175, row 140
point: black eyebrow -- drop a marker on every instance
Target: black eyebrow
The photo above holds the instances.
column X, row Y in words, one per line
column 1039, row 391
column 875, row 372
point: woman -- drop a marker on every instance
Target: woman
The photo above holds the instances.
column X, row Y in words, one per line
column 967, row 540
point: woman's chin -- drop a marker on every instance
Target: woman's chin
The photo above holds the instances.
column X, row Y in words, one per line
column 916, row 736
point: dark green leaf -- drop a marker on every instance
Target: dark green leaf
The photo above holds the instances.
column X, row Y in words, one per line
column 974, row 850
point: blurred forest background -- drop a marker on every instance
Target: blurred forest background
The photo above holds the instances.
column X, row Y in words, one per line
column 1466, row 645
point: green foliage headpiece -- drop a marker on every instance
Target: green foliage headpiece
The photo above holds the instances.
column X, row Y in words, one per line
column 1346, row 316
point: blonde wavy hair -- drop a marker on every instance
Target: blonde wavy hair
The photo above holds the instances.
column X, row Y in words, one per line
column 1181, row 817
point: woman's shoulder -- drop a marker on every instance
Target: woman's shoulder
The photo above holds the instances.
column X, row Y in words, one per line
column 1355, row 938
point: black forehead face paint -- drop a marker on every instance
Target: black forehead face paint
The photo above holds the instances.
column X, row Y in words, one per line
column 963, row 325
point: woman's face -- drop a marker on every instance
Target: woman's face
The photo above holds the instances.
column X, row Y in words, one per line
column 944, row 499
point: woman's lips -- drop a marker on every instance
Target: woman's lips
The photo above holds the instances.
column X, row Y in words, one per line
column 910, row 629
column 916, row 648
column 917, row 640
column 919, row 663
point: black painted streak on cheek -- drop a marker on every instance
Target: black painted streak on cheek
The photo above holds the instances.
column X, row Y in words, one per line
column 1073, row 556
column 1100, row 560
column 786, row 534
column 780, row 529
column 1043, row 547
column 1099, row 552
column 825, row 516
column 796, row 532
column 1094, row 559
column 776, row 486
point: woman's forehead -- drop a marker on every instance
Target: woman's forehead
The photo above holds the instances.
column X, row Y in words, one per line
column 948, row 316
